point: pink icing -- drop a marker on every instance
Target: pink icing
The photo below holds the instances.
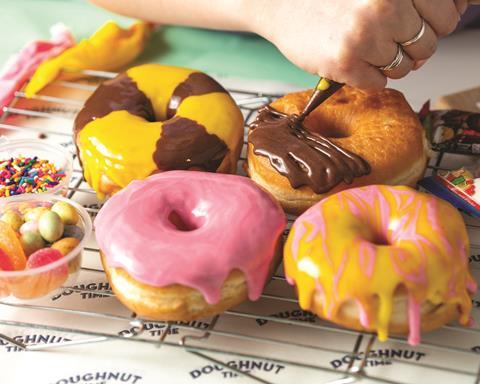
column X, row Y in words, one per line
column 366, row 252
column 413, row 321
column 472, row 286
column 20, row 67
column 234, row 225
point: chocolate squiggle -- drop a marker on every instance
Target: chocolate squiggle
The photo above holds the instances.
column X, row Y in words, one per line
column 305, row 158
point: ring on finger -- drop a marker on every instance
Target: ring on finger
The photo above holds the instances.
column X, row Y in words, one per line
column 395, row 62
column 417, row 37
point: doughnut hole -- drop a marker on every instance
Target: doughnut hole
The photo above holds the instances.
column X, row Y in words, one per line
column 329, row 123
column 332, row 119
column 384, row 236
column 370, row 233
column 327, row 126
column 379, row 238
column 185, row 221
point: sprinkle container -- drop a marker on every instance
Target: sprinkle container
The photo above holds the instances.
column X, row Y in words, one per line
column 33, row 166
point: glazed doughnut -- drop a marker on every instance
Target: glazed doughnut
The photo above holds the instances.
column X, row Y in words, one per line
column 382, row 258
column 183, row 245
column 352, row 139
column 156, row 118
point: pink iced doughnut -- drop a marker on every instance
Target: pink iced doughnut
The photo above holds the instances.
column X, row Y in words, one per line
column 182, row 245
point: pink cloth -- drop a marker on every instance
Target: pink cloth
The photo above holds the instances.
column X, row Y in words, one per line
column 21, row 66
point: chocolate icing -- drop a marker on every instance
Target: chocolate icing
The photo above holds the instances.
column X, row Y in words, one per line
column 120, row 93
column 196, row 84
column 304, row 157
column 186, row 144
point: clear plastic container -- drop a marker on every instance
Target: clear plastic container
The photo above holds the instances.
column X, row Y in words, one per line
column 54, row 153
column 48, row 279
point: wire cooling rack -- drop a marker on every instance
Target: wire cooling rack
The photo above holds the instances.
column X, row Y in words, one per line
column 355, row 350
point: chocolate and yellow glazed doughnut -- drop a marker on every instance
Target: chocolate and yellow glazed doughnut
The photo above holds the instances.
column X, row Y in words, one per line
column 155, row 118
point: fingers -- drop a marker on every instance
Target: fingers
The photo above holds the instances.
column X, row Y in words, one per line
column 419, row 64
column 361, row 75
column 441, row 15
column 404, row 66
column 404, row 24
column 425, row 46
column 461, row 5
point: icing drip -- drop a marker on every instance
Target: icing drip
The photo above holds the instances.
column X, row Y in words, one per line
column 304, row 157
column 369, row 242
column 413, row 321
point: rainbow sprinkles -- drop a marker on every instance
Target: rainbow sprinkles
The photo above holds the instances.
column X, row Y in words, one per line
column 19, row 175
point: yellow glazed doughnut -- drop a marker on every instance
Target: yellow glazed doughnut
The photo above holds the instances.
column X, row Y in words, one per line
column 382, row 258
column 156, row 118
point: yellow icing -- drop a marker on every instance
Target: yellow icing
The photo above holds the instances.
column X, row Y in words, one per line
column 158, row 86
column 217, row 113
column 119, row 162
column 323, row 84
column 109, row 48
column 324, row 249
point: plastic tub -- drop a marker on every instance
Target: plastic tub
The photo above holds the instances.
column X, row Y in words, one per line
column 54, row 153
column 48, row 279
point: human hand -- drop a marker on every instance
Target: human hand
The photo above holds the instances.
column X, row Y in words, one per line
column 347, row 41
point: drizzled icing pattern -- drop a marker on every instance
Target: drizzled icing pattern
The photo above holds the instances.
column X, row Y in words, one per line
column 304, row 157
column 367, row 242
column 227, row 223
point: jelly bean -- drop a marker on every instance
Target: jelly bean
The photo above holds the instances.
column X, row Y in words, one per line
column 43, row 257
column 67, row 212
column 25, row 207
column 50, row 226
column 73, row 231
column 65, row 245
column 39, row 284
column 31, row 242
column 10, row 244
column 12, row 218
column 34, row 213
column 5, row 262
column 29, row 226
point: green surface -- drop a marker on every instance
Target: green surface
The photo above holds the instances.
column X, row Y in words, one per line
column 222, row 53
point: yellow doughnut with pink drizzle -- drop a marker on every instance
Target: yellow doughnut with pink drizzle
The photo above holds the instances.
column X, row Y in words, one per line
column 384, row 259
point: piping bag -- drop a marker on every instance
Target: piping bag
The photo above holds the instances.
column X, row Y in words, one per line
column 323, row 90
